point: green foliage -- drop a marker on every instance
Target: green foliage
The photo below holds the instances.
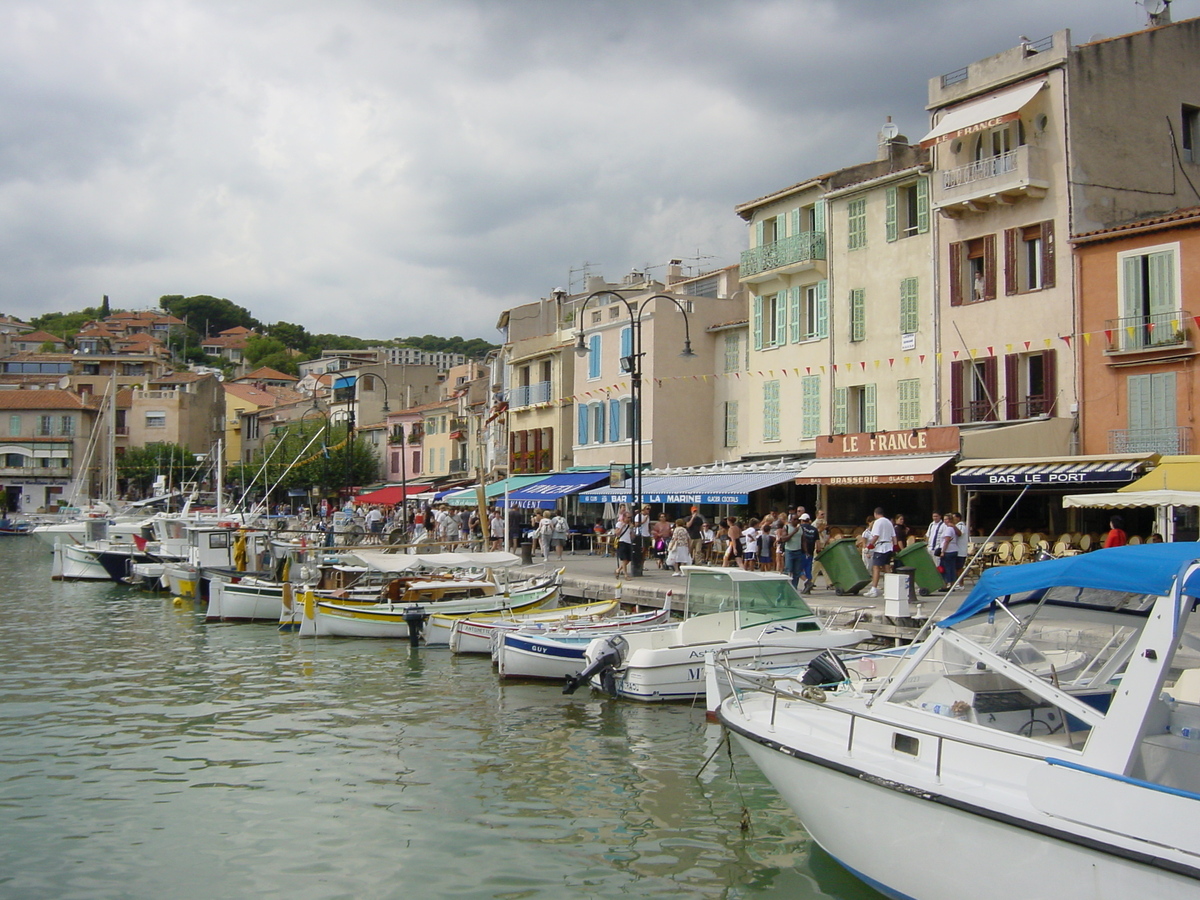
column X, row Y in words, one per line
column 258, row 347
column 208, row 315
column 66, row 325
column 295, row 337
column 305, row 454
column 475, row 348
column 137, row 467
column 281, row 361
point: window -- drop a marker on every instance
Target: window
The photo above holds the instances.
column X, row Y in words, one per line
column 1190, row 116
column 769, row 230
column 858, row 315
column 857, row 226
column 1029, row 258
column 810, row 406
column 1152, row 419
column 731, row 423
column 854, row 409
column 809, row 218
column 973, row 270
column 1030, row 384
column 66, row 426
column 973, row 394
column 45, row 426
column 908, row 403
column 1150, row 314
column 594, row 356
column 770, row 321
column 156, row 419
column 598, row 423
column 14, row 426
column 770, row 410
column 910, row 317
column 732, row 354
column 907, row 210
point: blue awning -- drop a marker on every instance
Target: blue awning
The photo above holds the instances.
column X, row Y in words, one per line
column 710, row 487
column 1056, row 473
column 345, row 381
column 1138, row 569
column 546, row 493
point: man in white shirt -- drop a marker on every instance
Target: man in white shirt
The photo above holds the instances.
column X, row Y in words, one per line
column 881, row 543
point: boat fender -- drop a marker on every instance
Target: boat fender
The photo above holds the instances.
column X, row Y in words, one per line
column 415, row 618
column 608, row 654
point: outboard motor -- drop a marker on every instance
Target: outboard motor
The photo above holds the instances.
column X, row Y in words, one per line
column 605, row 654
column 825, row 670
column 415, row 618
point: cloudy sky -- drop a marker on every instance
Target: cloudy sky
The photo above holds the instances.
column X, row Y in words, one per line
column 392, row 167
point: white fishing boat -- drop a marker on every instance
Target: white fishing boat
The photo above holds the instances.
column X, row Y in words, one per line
column 755, row 618
column 554, row 654
column 473, row 634
column 1078, row 786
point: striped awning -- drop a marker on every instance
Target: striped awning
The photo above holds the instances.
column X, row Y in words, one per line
column 1049, row 473
column 709, row 488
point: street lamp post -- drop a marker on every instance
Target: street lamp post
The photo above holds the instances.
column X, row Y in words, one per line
column 350, row 403
column 633, row 365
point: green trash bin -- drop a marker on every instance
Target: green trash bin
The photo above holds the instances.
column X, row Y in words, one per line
column 843, row 565
column 925, row 572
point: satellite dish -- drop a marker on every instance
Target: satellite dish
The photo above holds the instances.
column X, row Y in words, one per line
column 1155, row 7
column 889, row 130
column 64, row 382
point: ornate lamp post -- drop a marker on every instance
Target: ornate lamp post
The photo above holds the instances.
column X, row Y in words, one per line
column 633, row 365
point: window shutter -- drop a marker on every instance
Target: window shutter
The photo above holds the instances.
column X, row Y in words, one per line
column 1012, row 237
column 956, row 257
column 871, row 422
column 1138, row 389
column 991, row 386
column 770, row 410
column 594, row 356
column 1162, row 391
column 781, row 317
column 890, row 214
column 810, row 406
column 581, row 413
column 794, row 314
column 780, row 227
column 1162, row 286
column 839, row 410
column 1012, row 402
column 922, row 205
column 797, row 224
column 819, row 217
column 626, row 341
column 1048, row 254
column 759, row 233
column 858, row 312
column 598, row 423
column 910, row 321
column 614, row 420
column 758, row 322
column 989, row 267
column 956, row 391
column 1133, row 305
column 731, row 423
column 822, row 329
column 1050, row 380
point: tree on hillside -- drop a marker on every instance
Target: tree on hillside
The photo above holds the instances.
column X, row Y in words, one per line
column 258, row 347
column 66, row 325
column 208, row 315
column 294, row 337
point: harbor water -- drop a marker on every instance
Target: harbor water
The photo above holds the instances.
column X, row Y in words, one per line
column 146, row 754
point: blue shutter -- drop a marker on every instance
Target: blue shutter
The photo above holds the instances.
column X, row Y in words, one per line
column 581, row 412
column 626, row 341
column 594, row 356
column 614, row 420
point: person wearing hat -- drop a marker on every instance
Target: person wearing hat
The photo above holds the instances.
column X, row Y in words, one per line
column 800, row 543
column 695, row 529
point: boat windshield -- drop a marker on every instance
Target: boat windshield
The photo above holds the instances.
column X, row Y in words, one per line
column 758, row 600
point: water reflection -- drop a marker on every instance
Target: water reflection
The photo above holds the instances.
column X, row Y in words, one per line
column 144, row 753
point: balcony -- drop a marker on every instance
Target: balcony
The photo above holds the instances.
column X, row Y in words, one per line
column 975, row 411
column 458, row 466
column 793, row 254
column 1032, row 407
column 1164, row 331
column 529, row 394
column 1175, row 440
column 997, row 180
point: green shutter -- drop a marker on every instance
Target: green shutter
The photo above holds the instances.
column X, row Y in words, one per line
column 794, row 314
column 871, row 421
column 910, row 403
column 1161, row 272
column 780, row 227
column 810, row 406
column 770, row 410
column 781, row 317
column 731, row 423
column 759, row 233
column 922, row 205
column 797, row 223
column 819, row 217
column 1134, row 302
column 822, row 329
column 909, row 315
column 1140, row 414
column 858, row 313
column 758, row 322
column 1162, row 389
column 890, row 214
column 839, row 410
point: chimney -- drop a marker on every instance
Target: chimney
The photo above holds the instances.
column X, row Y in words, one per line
column 887, row 134
column 674, row 271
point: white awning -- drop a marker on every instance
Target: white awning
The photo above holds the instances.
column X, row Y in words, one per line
column 1130, row 499
column 874, row 470
column 983, row 112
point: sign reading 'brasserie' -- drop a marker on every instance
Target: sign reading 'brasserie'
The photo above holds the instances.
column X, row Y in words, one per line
column 889, row 443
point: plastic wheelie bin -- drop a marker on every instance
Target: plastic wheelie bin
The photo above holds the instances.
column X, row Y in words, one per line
column 925, row 572
column 843, row 564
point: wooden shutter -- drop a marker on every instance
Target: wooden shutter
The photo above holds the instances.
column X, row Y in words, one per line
column 758, row 322
column 870, row 408
column 1012, row 241
column 858, row 315
column 892, row 228
column 614, row 420
column 991, row 387
column 626, row 341
column 989, row 267
column 760, row 229
column 810, row 406
column 794, row 314
column 1012, row 386
column 922, row 205
column 594, row 357
column 956, row 261
column 581, row 412
column 822, row 329
column 1138, row 398
column 1050, row 381
column 819, row 217
column 957, row 368
column 839, row 410
column 910, row 320
column 781, row 314
column 1047, row 254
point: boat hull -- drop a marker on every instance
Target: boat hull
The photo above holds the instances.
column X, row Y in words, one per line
column 538, row 657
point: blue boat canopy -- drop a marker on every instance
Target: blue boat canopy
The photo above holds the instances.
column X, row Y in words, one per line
column 1140, row 569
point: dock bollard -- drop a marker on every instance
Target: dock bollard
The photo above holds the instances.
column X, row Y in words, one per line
column 526, row 553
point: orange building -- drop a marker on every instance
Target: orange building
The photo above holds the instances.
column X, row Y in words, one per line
column 1139, row 317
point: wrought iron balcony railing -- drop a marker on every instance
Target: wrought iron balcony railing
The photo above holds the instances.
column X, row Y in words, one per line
column 805, row 247
column 1173, row 441
column 1164, row 330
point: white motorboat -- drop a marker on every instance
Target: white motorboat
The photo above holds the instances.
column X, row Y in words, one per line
column 756, row 619
column 473, row 634
column 1077, row 786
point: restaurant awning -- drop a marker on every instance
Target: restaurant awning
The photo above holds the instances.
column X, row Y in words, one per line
column 1013, row 474
column 1172, row 473
column 391, row 495
column 984, row 112
column 467, row 496
column 1123, row 499
column 874, row 470
column 708, row 487
column 545, row 493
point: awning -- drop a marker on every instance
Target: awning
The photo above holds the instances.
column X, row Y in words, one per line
column 545, row 493
column 345, row 381
column 1172, row 473
column 697, row 488
column 467, row 496
column 392, row 494
column 983, row 113
column 1123, row 499
column 997, row 474
column 874, row 470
